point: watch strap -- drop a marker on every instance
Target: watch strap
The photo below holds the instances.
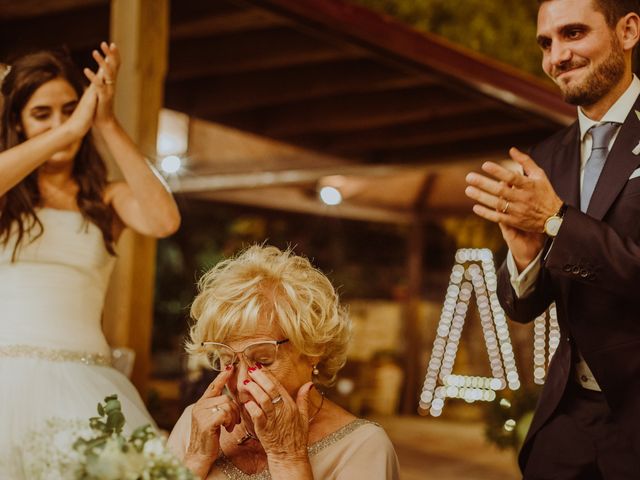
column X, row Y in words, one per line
column 563, row 209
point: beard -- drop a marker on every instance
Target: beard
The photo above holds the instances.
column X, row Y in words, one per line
column 604, row 76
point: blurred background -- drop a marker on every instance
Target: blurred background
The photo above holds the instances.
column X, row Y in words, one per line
column 342, row 129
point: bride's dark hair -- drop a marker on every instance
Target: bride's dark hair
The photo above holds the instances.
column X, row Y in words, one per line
column 18, row 205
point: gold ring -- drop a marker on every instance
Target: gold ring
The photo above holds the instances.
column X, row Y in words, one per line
column 108, row 81
column 277, row 399
column 506, row 207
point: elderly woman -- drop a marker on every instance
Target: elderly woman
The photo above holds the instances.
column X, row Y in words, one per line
column 271, row 324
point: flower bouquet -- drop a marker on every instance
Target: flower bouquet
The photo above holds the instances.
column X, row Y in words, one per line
column 98, row 450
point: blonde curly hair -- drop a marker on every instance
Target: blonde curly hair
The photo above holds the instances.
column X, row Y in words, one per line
column 266, row 283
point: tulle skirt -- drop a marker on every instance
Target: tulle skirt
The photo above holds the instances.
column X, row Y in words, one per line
column 34, row 390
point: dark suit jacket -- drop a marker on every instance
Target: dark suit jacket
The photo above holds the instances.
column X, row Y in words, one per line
column 592, row 272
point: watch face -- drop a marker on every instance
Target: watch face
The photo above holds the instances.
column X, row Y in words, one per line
column 552, row 225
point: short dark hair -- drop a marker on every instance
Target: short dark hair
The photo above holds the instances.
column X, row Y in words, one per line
column 613, row 10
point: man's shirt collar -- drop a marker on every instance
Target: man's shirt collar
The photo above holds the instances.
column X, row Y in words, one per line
column 618, row 111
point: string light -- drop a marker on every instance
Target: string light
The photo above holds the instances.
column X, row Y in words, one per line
column 509, row 425
column 474, row 272
column 545, row 342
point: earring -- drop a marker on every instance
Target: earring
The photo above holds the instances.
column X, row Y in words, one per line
column 315, row 370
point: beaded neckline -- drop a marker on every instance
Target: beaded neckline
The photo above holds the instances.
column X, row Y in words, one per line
column 234, row 473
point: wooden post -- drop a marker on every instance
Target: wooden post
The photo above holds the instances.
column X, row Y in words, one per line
column 140, row 29
column 412, row 336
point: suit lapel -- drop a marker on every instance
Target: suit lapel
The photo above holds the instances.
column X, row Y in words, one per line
column 620, row 163
column 565, row 167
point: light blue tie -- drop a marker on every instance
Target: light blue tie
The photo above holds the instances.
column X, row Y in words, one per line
column 601, row 135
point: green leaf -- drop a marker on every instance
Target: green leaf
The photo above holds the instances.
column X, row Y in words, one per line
column 115, row 421
column 112, row 404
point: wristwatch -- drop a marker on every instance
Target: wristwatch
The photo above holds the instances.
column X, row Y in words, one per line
column 553, row 223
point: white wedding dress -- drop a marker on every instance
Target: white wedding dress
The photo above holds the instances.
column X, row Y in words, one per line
column 54, row 359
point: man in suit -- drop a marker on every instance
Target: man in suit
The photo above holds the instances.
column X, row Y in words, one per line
column 571, row 221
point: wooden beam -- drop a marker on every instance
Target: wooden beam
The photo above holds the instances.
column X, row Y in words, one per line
column 216, row 149
column 12, row 9
column 302, row 201
column 182, row 12
column 368, row 190
column 214, row 182
column 496, row 145
column 353, row 112
column 217, row 95
column 140, row 28
column 250, row 180
column 250, row 51
column 223, row 23
column 471, row 127
column 393, row 39
column 77, row 29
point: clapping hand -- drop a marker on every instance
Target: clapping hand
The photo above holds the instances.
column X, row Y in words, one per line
column 519, row 202
column 82, row 117
column 104, row 81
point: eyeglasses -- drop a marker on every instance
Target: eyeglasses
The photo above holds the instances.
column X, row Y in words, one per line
column 220, row 355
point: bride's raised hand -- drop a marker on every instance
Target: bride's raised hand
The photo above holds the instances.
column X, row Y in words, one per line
column 82, row 117
column 104, row 81
column 211, row 412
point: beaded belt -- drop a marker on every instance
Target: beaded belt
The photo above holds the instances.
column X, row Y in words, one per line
column 54, row 355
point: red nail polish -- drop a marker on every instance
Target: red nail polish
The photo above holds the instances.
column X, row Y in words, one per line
column 246, row 381
column 252, row 369
column 228, row 367
column 259, row 365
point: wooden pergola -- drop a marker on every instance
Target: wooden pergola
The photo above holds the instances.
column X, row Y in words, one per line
column 285, row 95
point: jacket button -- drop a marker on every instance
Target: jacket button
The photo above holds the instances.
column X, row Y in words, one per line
column 567, row 268
column 575, row 270
column 584, row 273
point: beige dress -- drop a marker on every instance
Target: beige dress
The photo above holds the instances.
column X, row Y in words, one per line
column 360, row 449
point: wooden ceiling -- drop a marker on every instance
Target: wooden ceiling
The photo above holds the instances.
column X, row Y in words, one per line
column 333, row 77
column 320, row 75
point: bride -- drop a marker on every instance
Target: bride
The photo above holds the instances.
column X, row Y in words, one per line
column 59, row 221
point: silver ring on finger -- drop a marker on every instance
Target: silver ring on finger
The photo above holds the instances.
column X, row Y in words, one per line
column 217, row 409
column 277, row 399
column 505, row 208
column 108, row 81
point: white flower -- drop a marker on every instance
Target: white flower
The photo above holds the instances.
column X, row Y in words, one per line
column 96, row 450
column 48, row 453
column 154, row 448
column 114, row 464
